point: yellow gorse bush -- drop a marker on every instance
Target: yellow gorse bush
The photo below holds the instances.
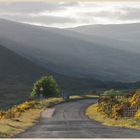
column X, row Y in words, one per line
column 114, row 107
column 137, row 115
column 16, row 111
column 117, row 110
column 135, row 100
column 2, row 114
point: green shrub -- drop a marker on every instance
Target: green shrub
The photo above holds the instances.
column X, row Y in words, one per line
column 113, row 92
column 46, row 86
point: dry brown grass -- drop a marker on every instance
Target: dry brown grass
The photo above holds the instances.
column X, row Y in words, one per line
column 11, row 127
column 29, row 114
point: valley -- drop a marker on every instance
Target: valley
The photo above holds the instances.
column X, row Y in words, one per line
column 81, row 59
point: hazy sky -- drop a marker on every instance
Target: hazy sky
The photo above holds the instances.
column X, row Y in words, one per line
column 70, row 13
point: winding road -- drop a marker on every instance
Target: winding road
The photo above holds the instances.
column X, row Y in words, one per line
column 69, row 121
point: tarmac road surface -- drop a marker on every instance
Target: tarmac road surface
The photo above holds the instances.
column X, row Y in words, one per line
column 68, row 120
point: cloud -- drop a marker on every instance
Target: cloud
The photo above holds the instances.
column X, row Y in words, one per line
column 69, row 14
column 28, row 7
column 48, row 20
column 131, row 14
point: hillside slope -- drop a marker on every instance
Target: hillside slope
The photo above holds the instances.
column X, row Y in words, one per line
column 16, row 77
column 74, row 56
column 128, row 33
column 118, row 31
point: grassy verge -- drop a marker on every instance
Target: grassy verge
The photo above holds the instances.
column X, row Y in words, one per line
column 29, row 114
column 11, row 127
column 93, row 114
column 80, row 97
column 23, row 116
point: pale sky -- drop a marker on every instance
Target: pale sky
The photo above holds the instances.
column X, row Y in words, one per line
column 70, row 13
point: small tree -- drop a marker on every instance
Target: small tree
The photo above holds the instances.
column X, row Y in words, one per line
column 46, row 86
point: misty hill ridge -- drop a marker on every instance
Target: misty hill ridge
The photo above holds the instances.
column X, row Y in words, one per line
column 72, row 55
column 126, row 32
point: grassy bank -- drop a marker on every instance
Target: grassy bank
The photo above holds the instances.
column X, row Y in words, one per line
column 20, row 117
column 23, row 116
column 11, row 127
column 93, row 114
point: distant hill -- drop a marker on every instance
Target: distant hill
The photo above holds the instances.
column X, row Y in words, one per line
column 71, row 53
column 125, row 35
column 17, row 75
column 80, row 58
column 117, row 31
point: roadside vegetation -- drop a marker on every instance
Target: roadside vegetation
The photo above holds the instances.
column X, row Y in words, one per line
column 45, row 87
column 116, row 108
column 22, row 116
column 45, row 94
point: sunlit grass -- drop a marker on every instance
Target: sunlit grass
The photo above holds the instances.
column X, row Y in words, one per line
column 84, row 97
column 10, row 127
column 93, row 114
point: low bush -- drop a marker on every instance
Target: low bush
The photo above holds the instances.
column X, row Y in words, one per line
column 105, row 104
column 16, row 111
column 135, row 100
column 113, row 92
column 137, row 115
column 2, row 114
column 110, row 105
column 117, row 110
